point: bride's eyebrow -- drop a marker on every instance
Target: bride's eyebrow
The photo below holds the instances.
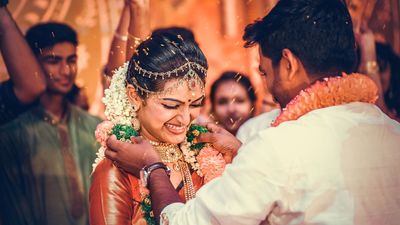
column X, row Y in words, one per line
column 181, row 102
column 201, row 98
column 173, row 99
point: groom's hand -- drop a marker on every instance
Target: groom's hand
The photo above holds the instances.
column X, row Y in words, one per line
column 131, row 157
column 221, row 140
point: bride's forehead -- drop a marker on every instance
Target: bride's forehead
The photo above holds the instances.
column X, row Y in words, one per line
column 181, row 90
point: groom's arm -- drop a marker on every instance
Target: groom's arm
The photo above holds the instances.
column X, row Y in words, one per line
column 162, row 192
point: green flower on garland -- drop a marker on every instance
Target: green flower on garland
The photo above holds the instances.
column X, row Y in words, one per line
column 194, row 131
column 147, row 210
column 124, row 132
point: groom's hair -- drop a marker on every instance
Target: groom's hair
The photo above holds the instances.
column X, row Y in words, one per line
column 318, row 32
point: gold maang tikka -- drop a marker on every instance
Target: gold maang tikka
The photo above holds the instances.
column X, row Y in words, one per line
column 191, row 78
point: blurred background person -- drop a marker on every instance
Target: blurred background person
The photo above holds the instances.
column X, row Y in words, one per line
column 26, row 78
column 48, row 151
column 389, row 68
column 382, row 64
column 78, row 96
column 269, row 111
column 232, row 100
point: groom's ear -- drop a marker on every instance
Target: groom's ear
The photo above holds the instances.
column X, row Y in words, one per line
column 133, row 97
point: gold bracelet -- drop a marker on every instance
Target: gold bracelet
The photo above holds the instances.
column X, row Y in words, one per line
column 120, row 36
column 136, row 40
column 371, row 68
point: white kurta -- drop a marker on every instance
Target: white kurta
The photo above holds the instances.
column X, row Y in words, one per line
column 338, row 165
column 256, row 124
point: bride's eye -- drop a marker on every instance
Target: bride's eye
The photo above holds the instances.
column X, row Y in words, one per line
column 198, row 103
column 170, row 106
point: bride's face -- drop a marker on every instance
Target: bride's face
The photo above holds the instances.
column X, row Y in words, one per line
column 166, row 118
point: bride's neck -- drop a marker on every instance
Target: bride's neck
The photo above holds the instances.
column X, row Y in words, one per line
column 151, row 138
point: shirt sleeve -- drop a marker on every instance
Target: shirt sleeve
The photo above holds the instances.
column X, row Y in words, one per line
column 245, row 193
column 10, row 106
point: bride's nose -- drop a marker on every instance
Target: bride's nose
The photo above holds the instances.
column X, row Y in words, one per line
column 183, row 116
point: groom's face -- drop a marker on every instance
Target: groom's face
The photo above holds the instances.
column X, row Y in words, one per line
column 272, row 80
column 285, row 79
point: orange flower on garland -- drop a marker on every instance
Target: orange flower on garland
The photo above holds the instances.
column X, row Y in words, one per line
column 330, row 92
column 103, row 131
column 212, row 164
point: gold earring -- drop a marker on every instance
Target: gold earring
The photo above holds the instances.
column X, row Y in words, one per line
column 135, row 121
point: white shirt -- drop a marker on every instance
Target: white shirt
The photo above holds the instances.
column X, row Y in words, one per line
column 256, row 124
column 334, row 166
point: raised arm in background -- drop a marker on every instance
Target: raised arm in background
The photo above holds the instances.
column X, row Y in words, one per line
column 139, row 24
column 133, row 26
column 23, row 68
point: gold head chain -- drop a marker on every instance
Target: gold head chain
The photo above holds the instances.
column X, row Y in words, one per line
column 191, row 78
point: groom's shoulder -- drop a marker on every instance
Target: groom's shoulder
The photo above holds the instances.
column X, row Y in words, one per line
column 256, row 124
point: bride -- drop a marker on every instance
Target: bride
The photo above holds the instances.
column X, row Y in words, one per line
column 158, row 93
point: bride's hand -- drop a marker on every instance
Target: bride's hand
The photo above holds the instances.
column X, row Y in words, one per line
column 221, row 140
column 131, row 157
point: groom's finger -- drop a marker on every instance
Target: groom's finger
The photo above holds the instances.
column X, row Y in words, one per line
column 115, row 145
column 110, row 154
column 112, row 143
column 136, row 140
column 213, row 128
column 205, row 138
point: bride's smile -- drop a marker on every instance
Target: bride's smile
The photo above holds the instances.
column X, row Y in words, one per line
column 175, row 129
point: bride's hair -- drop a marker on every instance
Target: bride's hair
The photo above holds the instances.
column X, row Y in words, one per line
column 163, row 57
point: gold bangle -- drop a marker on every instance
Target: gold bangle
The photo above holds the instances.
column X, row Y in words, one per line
column 136, row 40
column 371, row 67
column 120, row 36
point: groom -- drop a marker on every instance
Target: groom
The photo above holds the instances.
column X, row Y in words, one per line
column 331, row 157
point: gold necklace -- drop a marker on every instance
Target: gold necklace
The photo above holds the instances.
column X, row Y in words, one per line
column 169, row 153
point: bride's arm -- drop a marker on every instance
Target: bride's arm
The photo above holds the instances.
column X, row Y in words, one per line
column 139, row 24
column 110, row 197
column 117, row 53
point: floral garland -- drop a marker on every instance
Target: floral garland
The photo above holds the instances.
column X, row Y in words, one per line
column 145, row 205
column 329, row 92
column 206, row 161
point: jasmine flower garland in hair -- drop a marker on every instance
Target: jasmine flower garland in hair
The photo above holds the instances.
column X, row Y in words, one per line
column 117, row 106
column 118, row 112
